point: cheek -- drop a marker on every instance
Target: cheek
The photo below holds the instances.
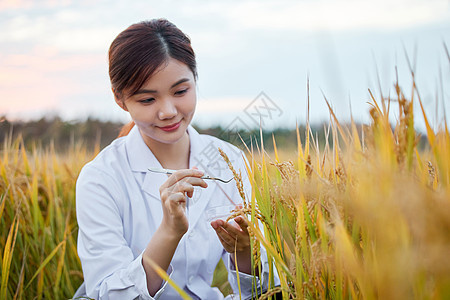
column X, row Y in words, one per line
column 140, row 115
column 190, row 104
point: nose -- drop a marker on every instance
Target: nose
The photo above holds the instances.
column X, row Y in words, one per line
column 167, row 110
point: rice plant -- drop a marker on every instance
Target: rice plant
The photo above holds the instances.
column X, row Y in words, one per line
column 365, row 217
column 37, row 221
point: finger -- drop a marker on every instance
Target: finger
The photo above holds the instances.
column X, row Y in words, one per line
column 219, row 227
column 226, row 245
column 180, row 174
column 196, row 181
column 174, row 202
column 243, row 223
column 177, row 198
column 232, row 230
column 226, row 240
column 186, row 186
column 232, row 244
column 182, row 187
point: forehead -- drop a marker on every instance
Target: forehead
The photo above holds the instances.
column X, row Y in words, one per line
column 167, row 74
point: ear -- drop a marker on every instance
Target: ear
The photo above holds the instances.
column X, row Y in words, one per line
column 119, row 100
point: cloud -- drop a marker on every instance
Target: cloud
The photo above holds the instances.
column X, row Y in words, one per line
column 40, row 80
column 228, row 104
column 8, row 5
column 82, row 26
column 66, row 30
column 14, row 4
column 341, row 15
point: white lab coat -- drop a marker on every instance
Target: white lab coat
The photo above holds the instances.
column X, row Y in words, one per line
column 119, row 209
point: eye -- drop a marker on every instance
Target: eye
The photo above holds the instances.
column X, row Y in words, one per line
column 181, row 92
column 146, row 101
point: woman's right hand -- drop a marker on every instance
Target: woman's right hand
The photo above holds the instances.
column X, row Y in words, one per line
column 173, row 197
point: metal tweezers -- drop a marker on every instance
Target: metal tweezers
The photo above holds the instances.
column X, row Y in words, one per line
column 168, row 171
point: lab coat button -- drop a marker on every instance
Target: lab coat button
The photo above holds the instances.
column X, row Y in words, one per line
column 191, row 279
column 192, row 233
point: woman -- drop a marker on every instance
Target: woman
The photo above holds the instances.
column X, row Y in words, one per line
column 129, row 216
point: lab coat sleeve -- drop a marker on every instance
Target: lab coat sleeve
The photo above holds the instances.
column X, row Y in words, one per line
column 109, row 267
column 248, row 282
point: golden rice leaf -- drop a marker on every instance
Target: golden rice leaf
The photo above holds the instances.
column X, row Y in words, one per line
column 271, row 250
column 341, row 131
column 60, row 264
column 2, row 203
column 45, row 262
column 7, row 256
column 277, row 159
column 300, row 156
column 355, row 137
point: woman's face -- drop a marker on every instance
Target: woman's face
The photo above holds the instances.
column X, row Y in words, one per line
column 164, row 106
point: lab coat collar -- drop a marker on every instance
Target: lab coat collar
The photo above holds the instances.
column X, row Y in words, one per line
column 139, row 155
column 141, row 158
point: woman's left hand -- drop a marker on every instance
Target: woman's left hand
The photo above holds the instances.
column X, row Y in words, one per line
column 233, row 235
column 235, row 239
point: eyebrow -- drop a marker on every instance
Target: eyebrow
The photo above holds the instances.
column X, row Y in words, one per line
column 144, row 91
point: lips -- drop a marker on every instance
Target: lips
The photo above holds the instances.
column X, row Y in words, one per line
column 171, row 127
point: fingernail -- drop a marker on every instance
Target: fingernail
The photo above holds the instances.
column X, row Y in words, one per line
column 214, row 225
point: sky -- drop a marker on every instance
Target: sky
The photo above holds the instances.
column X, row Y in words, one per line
column 255, row 58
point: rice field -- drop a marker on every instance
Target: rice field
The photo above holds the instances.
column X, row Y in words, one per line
column 365, row 216
column 38, row 221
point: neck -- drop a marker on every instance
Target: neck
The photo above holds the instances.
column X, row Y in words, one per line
column 172, row 156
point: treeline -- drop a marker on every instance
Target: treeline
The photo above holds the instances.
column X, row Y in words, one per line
column 62, row 134
column 93, row 132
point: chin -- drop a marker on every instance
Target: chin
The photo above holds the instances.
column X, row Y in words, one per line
column 170, row 137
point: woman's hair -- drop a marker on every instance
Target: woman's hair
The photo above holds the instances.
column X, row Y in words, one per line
column 138, row 51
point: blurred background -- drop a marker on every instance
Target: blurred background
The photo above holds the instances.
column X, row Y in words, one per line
column 253, row 57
